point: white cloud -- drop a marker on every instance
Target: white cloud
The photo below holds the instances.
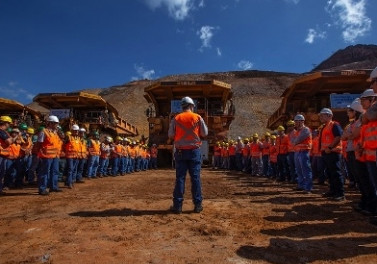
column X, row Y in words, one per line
column 351, row 17
column 16, row 93
column 292, row 1
column 178, row 9
column 142, row 73
column 201, row 3
column 205, row 34
column 245, row 65
column 219, row 53
column 314, row 34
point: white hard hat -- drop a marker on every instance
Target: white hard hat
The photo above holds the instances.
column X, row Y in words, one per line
column 75, row 128
column 53, row 119
column 299, row 117
column 82, row 129
column 326, row 111
column 373, row 75
column 368, row 93
column 239, row 138
column 110, row 139
column 187, row 101
column 356, row 105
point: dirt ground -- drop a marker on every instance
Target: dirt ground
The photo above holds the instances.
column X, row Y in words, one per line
column 125, row 220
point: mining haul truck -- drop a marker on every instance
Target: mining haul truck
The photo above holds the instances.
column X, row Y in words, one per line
column 87, row 110
column 309, row 94
column 212, row 101
column 20, row 113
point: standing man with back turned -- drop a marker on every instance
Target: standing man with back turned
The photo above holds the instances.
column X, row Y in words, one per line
column 186, row 129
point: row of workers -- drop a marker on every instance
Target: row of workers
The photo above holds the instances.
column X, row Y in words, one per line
column 51, row 153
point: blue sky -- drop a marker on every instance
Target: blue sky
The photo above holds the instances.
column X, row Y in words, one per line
column 68, row 45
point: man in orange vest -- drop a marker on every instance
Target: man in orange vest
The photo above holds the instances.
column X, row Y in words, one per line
column 256, row 155
column 71, row 154
column 331, row 149
column 154, row 153
column 93, row 145
column 82, row 156
column 12, row 177
column 273, row 157
column 49, row 150
column 5, row 141
column 282, row 147
column 302, row 142
column 186, row 129
column 266, row 154
column 317, row 163
column 291, row 131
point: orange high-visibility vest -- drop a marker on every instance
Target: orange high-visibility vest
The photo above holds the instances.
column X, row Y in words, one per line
column 370, row 141
column 273, row 154
column 246, row 150
column 290, row 146
column 14, row 151
column 4, row 147
column 282, row 144
column 306, row 144
column 255, row 149
column 51, row 146
column 327, row 138
column 72, row 147
column 232, row 150
column 132, row 152
column 94, row 148
column 266, row 148
column 187, row 130
column 315, row 147
column 117, row 151
column 83, row 153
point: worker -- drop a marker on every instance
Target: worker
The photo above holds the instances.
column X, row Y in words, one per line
column 5, row 141
column 116, row 156
column 154, row 153
column 186, row 129
column 273, row 155
column 246, row 156
column 105, row 148
column 93, row 145
column 331, row 149
column 13, row 178
column 266, row 154
column 72, row 149
column 232, row 155
column 256, row 155
column 282, row 147
column 49, row 149
column 318, row 170
column 82, row 155
column 26, row 149
column 239, row 147
column 34, row 159
column 302, row 142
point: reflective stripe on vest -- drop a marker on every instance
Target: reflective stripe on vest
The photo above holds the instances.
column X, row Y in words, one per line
column 187, row 131
column 51, row 145
column 327, row 138
column 94, row 149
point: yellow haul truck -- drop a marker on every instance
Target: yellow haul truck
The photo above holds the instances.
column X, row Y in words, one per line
column 212, row 101
column 20, row 113
column 87, row 110
column 310, row 93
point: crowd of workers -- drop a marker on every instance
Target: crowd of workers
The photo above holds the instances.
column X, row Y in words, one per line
column 50, row 156
column 329, row 154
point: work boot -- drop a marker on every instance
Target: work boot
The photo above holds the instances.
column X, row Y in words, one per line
column 176, row 210
column 198, row 208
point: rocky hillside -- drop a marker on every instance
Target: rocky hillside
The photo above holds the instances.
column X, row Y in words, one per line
column 256, row 94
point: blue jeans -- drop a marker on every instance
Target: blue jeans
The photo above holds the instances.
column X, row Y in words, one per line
column 239, row 161
column 304, row 170
column 318, row 169
column 131, row 165
column 72, row 170
column 283, row 167
column 11, row 173
column 103, row 164
column 80, row 169
column 292, row 167
column 187, row 160
column 266, row 165
column 48, row 174
column 33, row 168
column 3, row 166
column 115, row 166
column 93, row 163
column 332, row 166
column 153, row 163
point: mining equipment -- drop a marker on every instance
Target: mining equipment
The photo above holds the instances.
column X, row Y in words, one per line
column 312, row 92
column 87, row 110
column 20, row 113
column 212, row 101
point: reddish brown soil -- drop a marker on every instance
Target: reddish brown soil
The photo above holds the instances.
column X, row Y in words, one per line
column 125, row 220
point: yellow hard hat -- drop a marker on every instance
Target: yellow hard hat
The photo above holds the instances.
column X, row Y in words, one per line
column 267, row 134
column 246, row 139
column 281, row 128
column 273, row 137
column 68, row 133
column 5, row 119
column 290, row 123
column 255, row 135
column 30, row 130
column 118, row 138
